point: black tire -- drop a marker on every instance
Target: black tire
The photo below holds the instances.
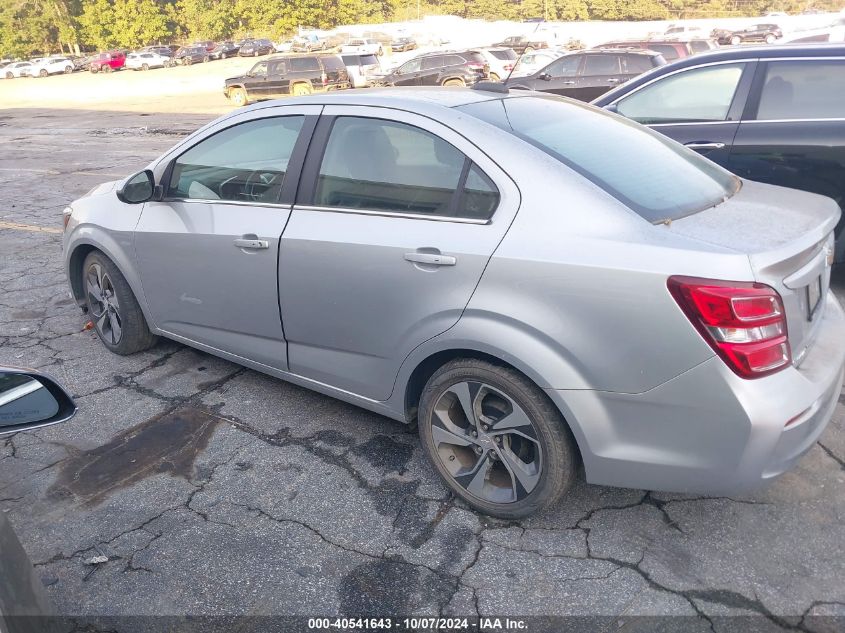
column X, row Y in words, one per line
column 454, row 83
column 553, row 447
column 145, row 66
column 9, row 75
column 68, row 70
column 206, row 59
column 134, row 335
column 107, row 68
column 43, row 72
column 736, row 40
column 188, row 61
column 239, row 97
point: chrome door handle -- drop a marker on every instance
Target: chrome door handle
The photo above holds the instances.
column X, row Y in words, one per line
column 705, row 145
column 431, row 258
column 613, row 81
column 568, row 83
column 255, row 244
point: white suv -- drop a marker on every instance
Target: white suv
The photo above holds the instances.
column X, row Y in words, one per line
column 501, row 61
column 51, row 66
column 361, row 46
column 146, row 60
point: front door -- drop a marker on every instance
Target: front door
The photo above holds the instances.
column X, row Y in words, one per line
column 700, row 107
column 408, row 74
column 207, row 253
column 560, row 77
column 384, row 253
column 256, row 82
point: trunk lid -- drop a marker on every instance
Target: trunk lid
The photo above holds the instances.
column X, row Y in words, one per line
column 788, row 237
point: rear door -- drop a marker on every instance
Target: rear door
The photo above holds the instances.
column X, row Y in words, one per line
column 600, row 73
column 793, row 130
column 430, row 70
column 382, row 254
column 208, row 252
column 699, row 107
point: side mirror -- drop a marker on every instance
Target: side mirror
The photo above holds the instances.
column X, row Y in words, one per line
column 611, row 107
column 30, row 400
column 545, row 77
column 139, row 188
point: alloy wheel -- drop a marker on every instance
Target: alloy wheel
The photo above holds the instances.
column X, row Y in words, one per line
column 486, row 442
column 104, row 305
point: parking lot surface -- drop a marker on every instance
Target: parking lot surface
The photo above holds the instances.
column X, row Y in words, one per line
column 213, row 489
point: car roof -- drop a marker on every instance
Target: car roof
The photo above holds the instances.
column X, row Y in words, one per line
column 746, row 52
column 617, row 51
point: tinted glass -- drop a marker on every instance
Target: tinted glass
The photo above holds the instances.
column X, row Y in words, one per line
column 636, row 64
column 480, row 195
column 246, row 162
column 334, row 63
column 699, row 46
column 350, row 60
column 455, row 60
column 564, row 67
column 812, row 89
column 668, row 51
column 301, row 64
column 601, row 65
column 409, row 67
column 700, row 94
column 259, row 70
column 407, row 169
column 369, row 60
column 654, row 176
column 435, row 61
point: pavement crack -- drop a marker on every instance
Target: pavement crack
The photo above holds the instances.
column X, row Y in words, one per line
column 833, row 455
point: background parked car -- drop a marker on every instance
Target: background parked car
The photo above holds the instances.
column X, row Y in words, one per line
column 167, row 51
column 529, row 63
column 459, row 68
column 208, row 45
column 770, row 114
column 304, row 45
column 51, row 66
column 254, row 48
column 587, row 74
column 17, row 69
column 284, row 47
column 501, row 61
column 402, row 44
column 523, row 43
column 224, row 50
column 147, row 60
column 768, row 33
column 361, row 68
column 191, row 55
column 293, row 75
column 362, row 47
column 670, row 49
column 107, row 62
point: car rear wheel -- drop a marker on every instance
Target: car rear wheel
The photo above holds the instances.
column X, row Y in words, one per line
column 736, row 40
column 107, row 68
column 206, row 59
column 529, row 49
column 145, row 66
column 68, row 70
column 43, row 72
column 300, row 90
column 239, row 97
column 495, row 438
column 112, row 307
column 770, row 39
column 188, row 61
column 9, row 76
column 454, row 83
column 94, row 70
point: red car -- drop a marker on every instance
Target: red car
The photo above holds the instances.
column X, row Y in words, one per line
column 208, row 45
column 107, row 62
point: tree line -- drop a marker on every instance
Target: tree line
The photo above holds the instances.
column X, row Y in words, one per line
column 29, row 27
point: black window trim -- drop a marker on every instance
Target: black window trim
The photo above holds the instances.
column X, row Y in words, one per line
column 310, row 174
column 290, row 185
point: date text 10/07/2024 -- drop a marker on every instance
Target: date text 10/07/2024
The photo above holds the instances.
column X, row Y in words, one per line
column 417, row 624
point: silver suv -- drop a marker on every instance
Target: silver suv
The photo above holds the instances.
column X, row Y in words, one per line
column 535, row 282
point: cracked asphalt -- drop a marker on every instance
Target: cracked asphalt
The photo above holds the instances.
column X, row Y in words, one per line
column 215, row 490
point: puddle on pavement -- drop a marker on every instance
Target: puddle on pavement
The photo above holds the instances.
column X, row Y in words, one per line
column 167, row 443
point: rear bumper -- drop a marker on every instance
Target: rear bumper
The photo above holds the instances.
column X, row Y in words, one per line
column 707, row 430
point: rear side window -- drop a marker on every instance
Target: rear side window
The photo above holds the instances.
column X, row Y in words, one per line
column 565, row 66
column 455, row 60
column 407, row 170
column 436, row 61
column 668, row 51
column 812, row 89
column 332, row 63
column 601, row 64
column 302, row 64
column 368, row 60
column 699, row 46
column 699, row 94
column 655, row 177
column 636, row 64
column 246, row 162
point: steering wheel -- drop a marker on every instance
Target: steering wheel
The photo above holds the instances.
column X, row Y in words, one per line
column 262, row 179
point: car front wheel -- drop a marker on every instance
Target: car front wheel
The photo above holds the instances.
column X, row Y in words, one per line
column 496, row 439
column 112, row 307
column 770, row 39
column 736, row 40
column 239, row 97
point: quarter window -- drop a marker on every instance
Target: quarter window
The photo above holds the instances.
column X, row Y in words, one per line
column 432, row 62
column 301, row 64
column 245, row 162
column 388, row 166
column 803, row 90
column 701, row 94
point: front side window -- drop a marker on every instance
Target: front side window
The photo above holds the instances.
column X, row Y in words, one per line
column 565, row 66
column 811, row 89
column 409, row 67
column 601, row 64
column 246, row 162
column 700, row 94
column 406, row 170
column 259, row 70
column 655, row 177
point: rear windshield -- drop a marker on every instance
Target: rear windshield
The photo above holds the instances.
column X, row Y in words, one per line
column 504, row 54
column 657, row 178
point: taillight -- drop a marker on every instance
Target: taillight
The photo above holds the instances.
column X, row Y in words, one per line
column 475, row 66
column 508, row 66
column 324, row 78
column 743, row 322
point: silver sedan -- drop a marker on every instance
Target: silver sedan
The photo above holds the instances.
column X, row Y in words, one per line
column 536, row 283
